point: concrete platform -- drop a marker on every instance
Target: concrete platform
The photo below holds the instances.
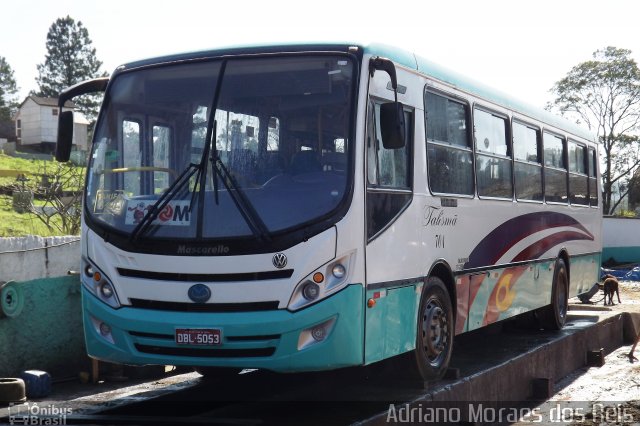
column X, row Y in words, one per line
column 514, row 366
column 501, row 365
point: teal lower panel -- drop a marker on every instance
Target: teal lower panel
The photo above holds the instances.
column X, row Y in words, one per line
column 621, row 254
column 584, row 271
column 391, row 323
column 267, row 339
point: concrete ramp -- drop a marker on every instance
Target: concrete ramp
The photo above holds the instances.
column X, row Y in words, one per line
column 504, row 368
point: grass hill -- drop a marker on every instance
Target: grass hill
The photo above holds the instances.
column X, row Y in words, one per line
column 13, row 224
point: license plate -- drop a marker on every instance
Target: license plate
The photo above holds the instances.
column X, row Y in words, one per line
column 198, row 336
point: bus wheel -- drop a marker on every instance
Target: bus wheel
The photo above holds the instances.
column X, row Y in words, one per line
column 434, row 340
column 215, row 373
column 554, row 316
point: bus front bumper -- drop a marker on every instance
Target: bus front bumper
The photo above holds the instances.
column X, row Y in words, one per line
column 277, row 340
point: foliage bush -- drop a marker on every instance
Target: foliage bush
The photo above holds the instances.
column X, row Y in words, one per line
column 57, row 190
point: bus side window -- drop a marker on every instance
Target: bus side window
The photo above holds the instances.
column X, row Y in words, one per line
column 555, row 172
column 528, row 162
column 449, row 155
column 388, row 168
column 389, row 174
column 578, row 179
column 493, row 159
column 593, row 177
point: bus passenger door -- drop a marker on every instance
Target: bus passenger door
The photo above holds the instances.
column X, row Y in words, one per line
column 389, row 325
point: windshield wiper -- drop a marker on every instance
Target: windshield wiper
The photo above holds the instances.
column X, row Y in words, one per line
column 173, row 189
column 240, row 199
column 249, row 214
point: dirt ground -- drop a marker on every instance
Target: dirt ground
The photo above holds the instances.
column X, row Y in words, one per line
column 600, row 395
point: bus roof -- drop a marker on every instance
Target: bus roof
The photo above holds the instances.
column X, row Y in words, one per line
column 461, row 82
column 400, row 56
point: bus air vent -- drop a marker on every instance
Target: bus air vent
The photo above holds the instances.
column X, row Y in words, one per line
column 206, row 353
column 240, row 276
column 204, row 307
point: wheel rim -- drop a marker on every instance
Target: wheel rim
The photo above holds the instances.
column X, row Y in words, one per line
column 435, row 331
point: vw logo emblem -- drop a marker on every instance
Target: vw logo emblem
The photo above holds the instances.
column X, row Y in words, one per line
column 279, row 260
column 199, row 293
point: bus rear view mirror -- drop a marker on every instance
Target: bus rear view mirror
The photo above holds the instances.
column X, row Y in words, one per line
column 392, row 125
column 65, row 136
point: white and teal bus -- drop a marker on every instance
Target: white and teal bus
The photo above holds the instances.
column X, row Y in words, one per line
column 311, row 207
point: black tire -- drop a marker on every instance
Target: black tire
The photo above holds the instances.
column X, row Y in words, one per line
column 217, row 373
column 435, row 331
column 554, row 316
column 12, row 391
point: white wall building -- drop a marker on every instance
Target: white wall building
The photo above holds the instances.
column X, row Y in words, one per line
column 37, row 124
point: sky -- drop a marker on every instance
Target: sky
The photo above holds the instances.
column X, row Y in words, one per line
column 521, row 48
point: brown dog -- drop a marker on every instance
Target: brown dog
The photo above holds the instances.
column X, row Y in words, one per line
column 610, row 286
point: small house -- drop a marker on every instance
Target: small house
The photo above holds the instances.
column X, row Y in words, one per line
column 37, row 125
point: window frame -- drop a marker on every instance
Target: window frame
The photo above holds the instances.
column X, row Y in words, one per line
column 585, row 164
column 170, row 149
column 508, row 134
column 402, row 196
column 372, row 101
column 136, row 119
column 539, row 164
column 565, row 153
column 469, row 138
column 593, row 166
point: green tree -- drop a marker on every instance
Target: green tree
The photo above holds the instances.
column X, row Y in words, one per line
column 604, row 94
column 8, row 89
column 634, row 191
column 70, row 59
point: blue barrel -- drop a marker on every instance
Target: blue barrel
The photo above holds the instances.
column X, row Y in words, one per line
column 37, row 383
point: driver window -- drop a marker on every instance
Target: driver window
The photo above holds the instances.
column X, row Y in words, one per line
column 388, row 168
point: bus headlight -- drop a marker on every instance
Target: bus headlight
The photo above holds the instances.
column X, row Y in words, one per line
column 339, row 271
column 98, row 284
column 310, row 291
column 106, row 290
column 321, row 283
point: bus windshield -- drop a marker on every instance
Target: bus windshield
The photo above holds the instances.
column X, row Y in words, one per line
column 274, row 152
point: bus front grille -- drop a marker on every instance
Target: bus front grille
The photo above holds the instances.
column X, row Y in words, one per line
column 189, row 277
column 206, row 353
column 204, row 307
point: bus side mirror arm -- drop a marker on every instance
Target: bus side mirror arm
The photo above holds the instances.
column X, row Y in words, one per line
column 392, row 124
column 65, row 118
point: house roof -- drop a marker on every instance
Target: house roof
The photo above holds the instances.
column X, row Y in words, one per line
column 52, row 102
column 79, row 118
